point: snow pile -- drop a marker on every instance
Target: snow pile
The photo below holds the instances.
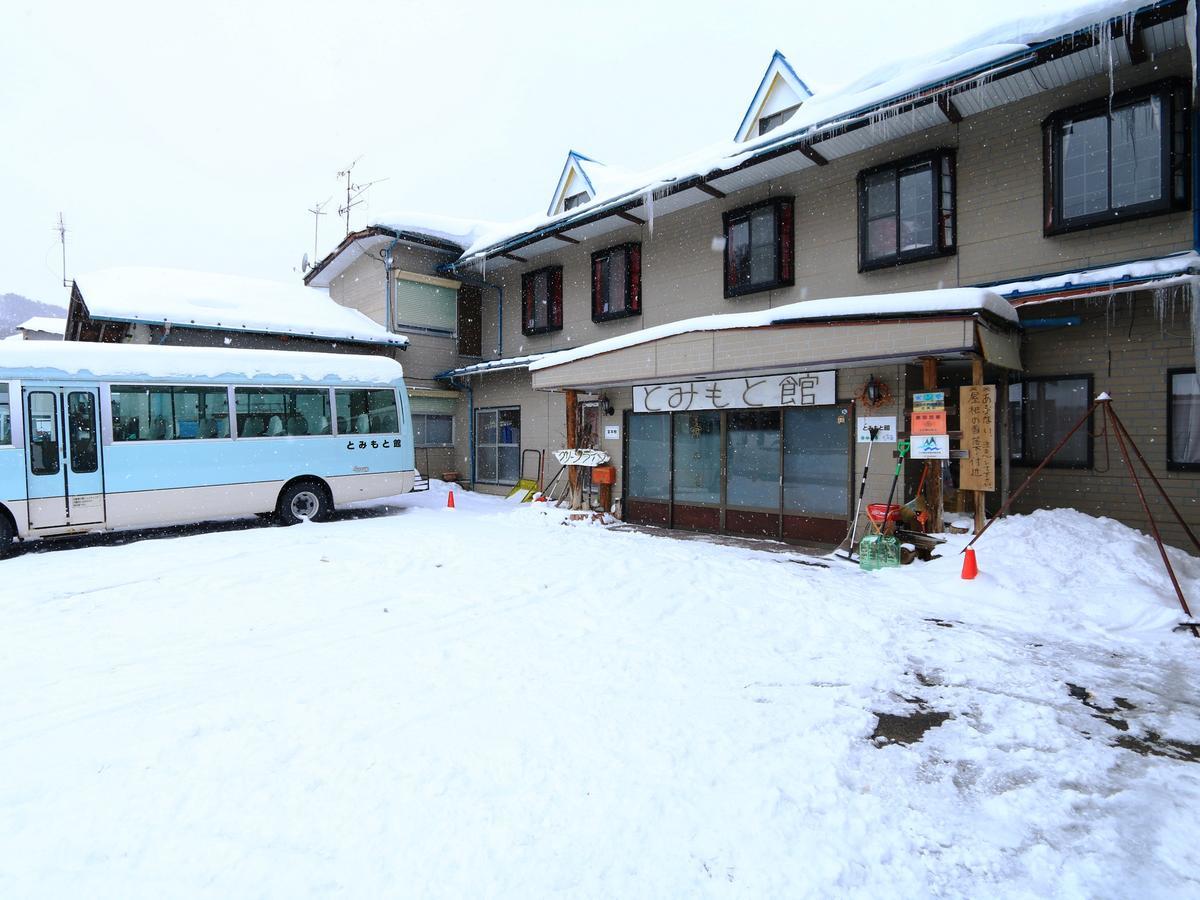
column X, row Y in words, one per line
column 145, row 362
column 875, row 306
column 226, row 302
column 1108, row 277
column 483, row 702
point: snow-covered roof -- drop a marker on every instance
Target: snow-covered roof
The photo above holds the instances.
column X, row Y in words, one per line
column 225, row 302
column 45, row 324
column 495, row 365
column 990, row 53
column 1127, row 275
column 876, row 306
column 148, row 362
column 462, row 233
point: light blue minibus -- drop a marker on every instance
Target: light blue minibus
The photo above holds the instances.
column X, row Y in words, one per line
column 97, row 437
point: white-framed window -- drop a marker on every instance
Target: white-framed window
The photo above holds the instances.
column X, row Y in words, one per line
column 498, row 445
column 1183, row 420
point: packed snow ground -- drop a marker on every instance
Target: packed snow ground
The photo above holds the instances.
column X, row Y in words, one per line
column 487, row 702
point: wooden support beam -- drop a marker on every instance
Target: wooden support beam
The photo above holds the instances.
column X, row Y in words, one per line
column 710, row 190
column 574, row 490
column 1002, row 422
column 977, row 380
column 949, row 110
column 565, row 238
column 1135, row 43
column 812, row 155
column 514, row 257
column 630, row 217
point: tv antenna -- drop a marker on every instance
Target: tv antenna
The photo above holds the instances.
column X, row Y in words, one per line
column 318, row 210
column 354, row 191
column 61, row 228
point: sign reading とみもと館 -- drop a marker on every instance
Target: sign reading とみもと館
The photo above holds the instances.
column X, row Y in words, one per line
column 750, row 392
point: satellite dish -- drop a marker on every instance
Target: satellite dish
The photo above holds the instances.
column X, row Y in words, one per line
column 304, row 263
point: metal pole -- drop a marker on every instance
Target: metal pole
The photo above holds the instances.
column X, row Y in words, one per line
column 1158, row 484
column 1150, row 518
column 873, row 431
column 1033, row 474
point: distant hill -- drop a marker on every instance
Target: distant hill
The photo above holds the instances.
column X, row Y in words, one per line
column 15, row 309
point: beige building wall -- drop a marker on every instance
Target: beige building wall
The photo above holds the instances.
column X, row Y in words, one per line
column 1127, row 347
column 999, row 207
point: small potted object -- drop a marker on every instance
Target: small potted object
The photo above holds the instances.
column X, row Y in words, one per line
column 450, row 476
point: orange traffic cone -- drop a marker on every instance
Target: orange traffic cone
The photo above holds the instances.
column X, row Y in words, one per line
column 970, row 569
column 450, row 503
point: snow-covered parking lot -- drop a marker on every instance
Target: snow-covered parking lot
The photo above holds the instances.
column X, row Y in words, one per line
column 486, row 702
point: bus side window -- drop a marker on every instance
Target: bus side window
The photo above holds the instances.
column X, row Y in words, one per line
column 43, row 433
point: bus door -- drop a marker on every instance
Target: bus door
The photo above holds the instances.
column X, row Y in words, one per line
column 62, row 442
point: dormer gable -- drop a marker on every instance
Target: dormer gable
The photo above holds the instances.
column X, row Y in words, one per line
column 574, row 186
column 779, row 95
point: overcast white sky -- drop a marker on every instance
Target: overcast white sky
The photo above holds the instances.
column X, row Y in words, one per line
column 196, row 136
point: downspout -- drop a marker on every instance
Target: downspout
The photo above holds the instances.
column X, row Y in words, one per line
column 452, row 268
column 470, row 426
column 387, row 270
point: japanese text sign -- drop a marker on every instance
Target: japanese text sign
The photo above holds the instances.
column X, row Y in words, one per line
column 928, row 422
column 931, row 446
column 885, row 424
column 751, row 392
column 930, row 401
column 978, row 415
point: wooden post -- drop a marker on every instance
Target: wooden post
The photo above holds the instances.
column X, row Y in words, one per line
column 933, row 484
column 1002, row 414
column 977, row 380
column 574, row 490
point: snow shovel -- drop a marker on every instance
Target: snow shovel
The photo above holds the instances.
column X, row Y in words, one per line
column 879, row 550
column 873, row 431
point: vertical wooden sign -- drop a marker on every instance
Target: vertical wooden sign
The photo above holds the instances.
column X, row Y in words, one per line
column 977, row 404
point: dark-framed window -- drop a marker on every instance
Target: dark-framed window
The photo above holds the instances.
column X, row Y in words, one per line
column 1109, row 161
column 575, row 200
column 1042, row 410
column 617, row 282
column 758, row 247
column 541, row 300
column 906, row 210
column 1183, row 420
column 774, row 120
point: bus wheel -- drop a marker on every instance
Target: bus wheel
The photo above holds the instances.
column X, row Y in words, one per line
column 7, row 534
column 301, row 502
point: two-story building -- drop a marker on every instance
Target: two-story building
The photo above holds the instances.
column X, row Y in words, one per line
column 1019, row 211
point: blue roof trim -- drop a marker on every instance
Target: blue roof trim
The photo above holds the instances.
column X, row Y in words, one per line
column 1077, row 285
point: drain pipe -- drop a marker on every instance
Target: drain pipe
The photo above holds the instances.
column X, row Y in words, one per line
column 452, row 269
column 470, row 425
column 389, row 303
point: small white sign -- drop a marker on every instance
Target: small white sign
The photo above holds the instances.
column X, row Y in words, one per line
column 589, row 458
column 751, row 392
column 885, row 424
column 612, row 432
column 931, row 446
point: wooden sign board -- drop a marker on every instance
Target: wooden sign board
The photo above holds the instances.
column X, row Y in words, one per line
column 933, row 422
column 977, row 406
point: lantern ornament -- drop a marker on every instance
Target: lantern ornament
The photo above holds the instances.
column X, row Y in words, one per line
column 874, row 394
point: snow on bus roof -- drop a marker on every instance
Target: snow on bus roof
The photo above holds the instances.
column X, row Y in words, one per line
column 147, row 362
column 875, row 306
column 225, row 302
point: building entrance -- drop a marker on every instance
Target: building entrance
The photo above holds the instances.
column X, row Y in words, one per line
column 781, row 473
